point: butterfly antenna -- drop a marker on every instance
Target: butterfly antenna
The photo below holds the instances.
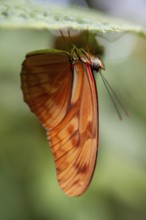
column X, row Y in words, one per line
column 111, row 93
column 118, row 100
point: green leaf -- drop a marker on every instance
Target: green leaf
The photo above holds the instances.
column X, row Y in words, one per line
column 38, row 16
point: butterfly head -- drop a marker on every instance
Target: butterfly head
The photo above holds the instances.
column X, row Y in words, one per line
column 96, row 63
column 88, row 58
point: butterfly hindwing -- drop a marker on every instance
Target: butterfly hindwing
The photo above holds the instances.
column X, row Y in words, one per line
column 46, row 81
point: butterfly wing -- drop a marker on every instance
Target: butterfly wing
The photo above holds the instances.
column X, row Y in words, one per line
column 74, row 142
column 46, row 81
column 66, row 103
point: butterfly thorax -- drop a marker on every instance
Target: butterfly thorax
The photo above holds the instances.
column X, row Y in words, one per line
column 87, row 58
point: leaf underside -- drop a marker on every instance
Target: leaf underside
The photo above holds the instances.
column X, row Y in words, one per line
column 38, row 16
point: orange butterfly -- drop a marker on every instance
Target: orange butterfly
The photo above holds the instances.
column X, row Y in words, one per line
column 60, row 89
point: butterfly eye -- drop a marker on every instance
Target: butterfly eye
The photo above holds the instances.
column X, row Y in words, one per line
column 96, row 66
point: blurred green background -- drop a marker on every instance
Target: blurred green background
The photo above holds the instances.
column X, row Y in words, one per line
column 28, row 184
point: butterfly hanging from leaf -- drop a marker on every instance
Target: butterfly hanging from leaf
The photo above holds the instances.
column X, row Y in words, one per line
column 60, row 88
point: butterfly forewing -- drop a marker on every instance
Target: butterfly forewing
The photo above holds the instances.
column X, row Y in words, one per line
column 64, row 97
